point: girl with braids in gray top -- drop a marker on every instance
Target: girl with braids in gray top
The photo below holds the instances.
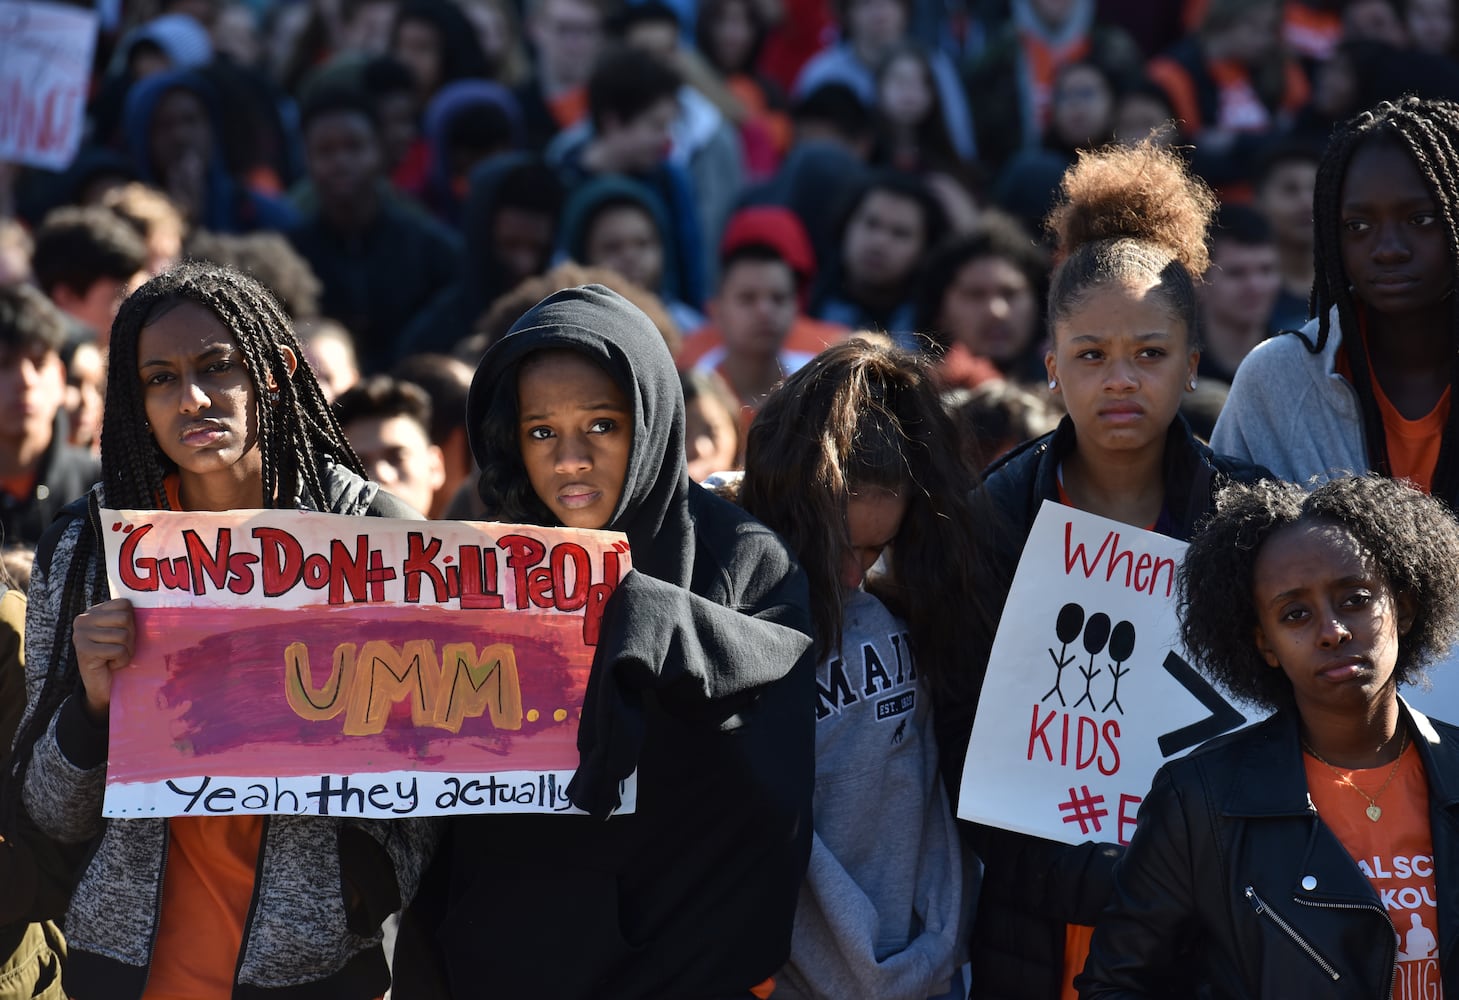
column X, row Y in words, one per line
column 209, row 407
column 1366, row 385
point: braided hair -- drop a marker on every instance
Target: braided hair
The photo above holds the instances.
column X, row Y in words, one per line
column 297, row 433
column 1428, row 132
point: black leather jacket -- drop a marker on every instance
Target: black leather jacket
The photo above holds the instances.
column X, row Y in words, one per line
column 1233, row 887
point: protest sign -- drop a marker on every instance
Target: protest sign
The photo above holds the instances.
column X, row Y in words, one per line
column 1088, row 690
column 295, row 662
column 45, row 68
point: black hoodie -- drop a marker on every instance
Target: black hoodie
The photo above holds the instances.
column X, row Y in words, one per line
column 702, row 679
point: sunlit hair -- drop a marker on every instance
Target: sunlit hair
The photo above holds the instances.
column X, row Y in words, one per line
column 1408, row 537
column 859, row 417
column 1131, row 215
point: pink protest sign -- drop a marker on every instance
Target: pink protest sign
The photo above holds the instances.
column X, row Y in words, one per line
column 1088, row 689
column 45, row 68
column 293, row 662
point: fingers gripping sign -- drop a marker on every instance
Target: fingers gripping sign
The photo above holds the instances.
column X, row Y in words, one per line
column 104, row 637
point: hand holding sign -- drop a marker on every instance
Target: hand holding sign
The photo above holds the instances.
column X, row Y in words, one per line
column 1071, row 771
column 104, row 637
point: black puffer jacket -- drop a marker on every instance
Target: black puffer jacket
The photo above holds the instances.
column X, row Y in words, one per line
column 1033, row 888
column 1231, row 824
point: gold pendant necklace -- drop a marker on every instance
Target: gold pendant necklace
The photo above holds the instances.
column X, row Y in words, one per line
column 1374, row 811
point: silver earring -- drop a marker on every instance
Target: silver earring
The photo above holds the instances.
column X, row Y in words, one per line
column 1192, row 384
column 1053, row 383
column 273, row 397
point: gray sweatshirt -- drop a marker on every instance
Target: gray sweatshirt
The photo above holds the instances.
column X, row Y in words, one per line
column 884, row 908
column 1291, row 411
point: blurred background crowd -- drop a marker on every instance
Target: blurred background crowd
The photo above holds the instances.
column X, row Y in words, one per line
column 761, row 176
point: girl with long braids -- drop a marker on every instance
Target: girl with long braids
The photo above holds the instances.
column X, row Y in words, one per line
column 1366, row 385
column 209, row 407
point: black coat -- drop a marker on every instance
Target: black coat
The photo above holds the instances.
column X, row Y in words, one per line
column 1233, row 821
column 1032, row 888
column 703, row 680
column 64, row 473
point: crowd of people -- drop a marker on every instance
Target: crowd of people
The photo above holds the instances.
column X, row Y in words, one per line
column 818, row 302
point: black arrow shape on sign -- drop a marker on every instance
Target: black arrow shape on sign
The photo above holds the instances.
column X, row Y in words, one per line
column 1223, row 717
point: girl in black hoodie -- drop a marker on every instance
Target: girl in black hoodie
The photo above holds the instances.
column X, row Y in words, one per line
column 701, row 682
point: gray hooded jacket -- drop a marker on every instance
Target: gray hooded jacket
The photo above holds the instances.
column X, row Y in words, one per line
column 304, row 938
column 1293, row 412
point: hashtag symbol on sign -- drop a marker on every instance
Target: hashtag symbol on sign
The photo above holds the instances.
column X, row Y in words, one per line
column 1083, row 809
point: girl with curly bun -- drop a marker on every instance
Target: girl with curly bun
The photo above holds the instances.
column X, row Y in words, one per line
column 1311, row 854
column 1131, row 233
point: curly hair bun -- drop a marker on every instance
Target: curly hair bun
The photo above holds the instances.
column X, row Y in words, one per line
column 1144, row 193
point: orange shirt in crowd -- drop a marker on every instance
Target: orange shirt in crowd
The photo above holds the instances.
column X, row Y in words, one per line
column 704, row 351
column 569, row 107
column 1413, row 445
column 19, row 486
column 704, row 348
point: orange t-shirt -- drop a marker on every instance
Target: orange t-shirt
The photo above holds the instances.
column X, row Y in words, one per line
column 704, row 348
column 1396, row 853
column 20, row 487
column 569, row 107
column 1413, row 445
column 207, row 888
column 1077, row 938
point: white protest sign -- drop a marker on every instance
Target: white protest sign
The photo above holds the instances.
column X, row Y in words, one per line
column 1088, row 690
column 45, row 64
column 301, row 663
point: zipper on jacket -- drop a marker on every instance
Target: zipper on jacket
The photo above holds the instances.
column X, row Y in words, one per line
column 1262, row 909
column 1360, row 906
column 253, row 901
